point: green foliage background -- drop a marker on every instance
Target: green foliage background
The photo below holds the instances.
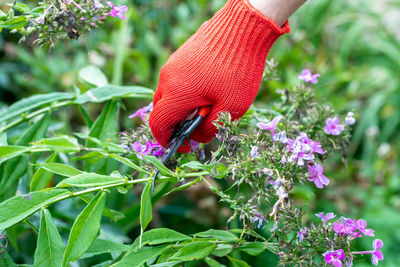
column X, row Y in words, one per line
column 355, row 47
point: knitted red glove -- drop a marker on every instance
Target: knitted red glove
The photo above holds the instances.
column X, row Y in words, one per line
column 220, row 65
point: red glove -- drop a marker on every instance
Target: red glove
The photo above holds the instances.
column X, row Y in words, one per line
column 220, row 65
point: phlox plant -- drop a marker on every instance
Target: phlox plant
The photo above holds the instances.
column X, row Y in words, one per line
column 253, row 167
column 64, row 19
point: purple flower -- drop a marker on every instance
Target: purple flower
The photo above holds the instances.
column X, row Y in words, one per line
column 361, row 225
column 194, row 145
column 333, row 127
column 254, row 152
column 303, row 149
column 142, row 112
column 376, row 253
column 334, row 257
column 281, row 137
column 117, row 11
column 325, row 218
column 301, row 234
column 350, row 120
column 97, row 4
column 68, row 2
column 270, row 125
column 140, row 149
column 307, row 76
column 143, row 150
column 317, row 176
column 260, row 218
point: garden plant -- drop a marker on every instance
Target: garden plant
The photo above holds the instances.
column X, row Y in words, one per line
column 63, row 185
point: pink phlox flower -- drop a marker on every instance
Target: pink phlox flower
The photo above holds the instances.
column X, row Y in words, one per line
column 281, row 137
column 334, row 257
column 317, row 176
column 68, row 2
column 117, row 10
column 307, row 76
column 270, row 125
column 142, row 112
column 254, row 152
column 97, row 4
column 327, row 217
column 333, row 127
column 143, row 150
column 376, row 253
column 303, row 149
column 361, row 225
column 258, row 217
column 301, row 233
column 194, row 145
column 350, row 120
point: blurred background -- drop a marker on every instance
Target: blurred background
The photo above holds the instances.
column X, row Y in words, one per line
column 354, row 45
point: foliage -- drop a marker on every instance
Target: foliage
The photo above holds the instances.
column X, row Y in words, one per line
column 352, row 44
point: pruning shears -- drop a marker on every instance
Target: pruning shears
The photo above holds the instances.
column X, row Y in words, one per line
column 181, row 133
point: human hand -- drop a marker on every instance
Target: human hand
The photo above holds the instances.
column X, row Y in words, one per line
column 220, row 65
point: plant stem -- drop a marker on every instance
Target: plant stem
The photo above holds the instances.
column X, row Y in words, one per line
column 34, row 114
column 194, row 174
column 31, row 225
column 93, row 189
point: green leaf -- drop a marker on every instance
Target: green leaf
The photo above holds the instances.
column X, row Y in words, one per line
column 50, row 248
column 213, row 263
column 17, row 208
column 238, row 263
column 163, row 170
column 105, row 125
column 3, row 139
column 59, row 168
column 194, row 165
column 253, row 248
column 89, row 179
column 222, row 250
column 85, row 229
column 22, row 7
column 127, row 162
column 42, row 177
column 104, row 93
column 138, row 258
column 63, row 144
column 35, row 132
column 101, row 246
column 248, row 232
column 146, row 210
column 15, row 23
column 194, row 251
column 167, row 264
column 218, row 235
column 9, row 152
column 6, row 260
column 186, row 185
column 159, row 236
column 93, row 75
column 32, row 102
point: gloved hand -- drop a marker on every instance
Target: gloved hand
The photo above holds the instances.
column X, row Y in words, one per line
column 220, row 65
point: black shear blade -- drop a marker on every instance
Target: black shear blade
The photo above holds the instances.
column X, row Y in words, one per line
column 177, row 139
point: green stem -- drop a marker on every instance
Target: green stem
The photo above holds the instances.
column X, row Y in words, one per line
column 194, row 174
column 34, row 114
column 93, row 189
column 31, row 225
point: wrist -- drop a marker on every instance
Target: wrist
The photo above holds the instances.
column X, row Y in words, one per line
column 277, row 10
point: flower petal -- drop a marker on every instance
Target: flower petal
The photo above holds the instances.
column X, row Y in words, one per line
column 377, row 244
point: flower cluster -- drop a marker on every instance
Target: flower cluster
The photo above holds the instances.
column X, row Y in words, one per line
column 67, row 19
column 149, row 147
column 339, row 234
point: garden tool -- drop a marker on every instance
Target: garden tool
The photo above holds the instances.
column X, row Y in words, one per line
column 181, row 133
